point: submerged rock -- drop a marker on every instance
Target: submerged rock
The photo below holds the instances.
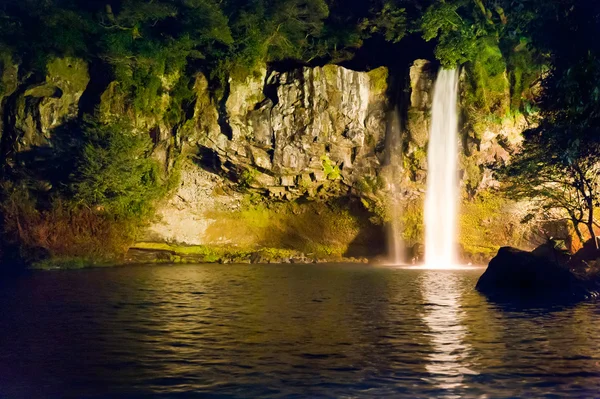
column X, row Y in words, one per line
column 514, row 275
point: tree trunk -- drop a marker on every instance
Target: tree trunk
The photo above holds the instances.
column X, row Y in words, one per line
column 592, row 234
column 590, row 221
column 578, row 231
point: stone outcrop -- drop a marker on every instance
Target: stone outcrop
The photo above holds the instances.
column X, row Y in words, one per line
column 9, row 73
column 515, row 275
column 482, row 142
column 312, row 133
column 292, row 133
column 37, row 109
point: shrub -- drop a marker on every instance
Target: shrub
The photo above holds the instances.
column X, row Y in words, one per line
column 113, row 171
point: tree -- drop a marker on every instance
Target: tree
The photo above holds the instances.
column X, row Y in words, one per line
column 559, row 164
column 557, row 175
column 113, row 170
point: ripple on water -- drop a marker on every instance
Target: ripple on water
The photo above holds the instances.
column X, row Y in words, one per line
column 280, row 331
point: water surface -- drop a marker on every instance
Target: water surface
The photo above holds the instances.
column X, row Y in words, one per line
column 223, row 331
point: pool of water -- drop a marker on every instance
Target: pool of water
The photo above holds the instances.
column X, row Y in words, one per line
column 321, row 331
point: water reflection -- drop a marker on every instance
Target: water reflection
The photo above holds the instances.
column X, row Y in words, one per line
column 442, row 314
column 285, row 331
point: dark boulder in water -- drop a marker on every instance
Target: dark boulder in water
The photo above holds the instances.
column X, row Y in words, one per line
column 587, row 256
column 516, row 275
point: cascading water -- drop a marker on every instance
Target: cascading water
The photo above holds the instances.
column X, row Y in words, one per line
column 442, row 186
column 392, row 175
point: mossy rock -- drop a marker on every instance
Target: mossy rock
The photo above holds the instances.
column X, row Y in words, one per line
column 473, row 174
column 331, row 73
column 9, row 75
column 315, row 227
column 378, row 79
column 68, row 73
column 490, row 221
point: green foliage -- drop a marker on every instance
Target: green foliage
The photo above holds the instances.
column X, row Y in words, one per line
column 524, row 65
column 182, row 96
column 487, row 76
column 60, row 230
column 99, row 187
column 558, row 165
column 247, row 177
column 559, row 173
column 113, row 170
column 331, row 171
column 457, row 38
column 390, row 22
column 494, row 41
column 147, row 41
column 104, row 177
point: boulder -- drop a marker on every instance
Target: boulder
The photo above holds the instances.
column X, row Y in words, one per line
column 515, row 275
column 552, row 252
column 586, row 254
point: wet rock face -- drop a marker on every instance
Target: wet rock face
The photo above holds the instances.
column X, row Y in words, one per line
column 9, row 72
column 295, row 131
column 40, row 108
column 422, row 79
column 481, row 142
column 318, row 133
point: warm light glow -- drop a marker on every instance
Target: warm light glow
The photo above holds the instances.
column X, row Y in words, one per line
column 432, row 267
column 443, row 316
column 428, row 266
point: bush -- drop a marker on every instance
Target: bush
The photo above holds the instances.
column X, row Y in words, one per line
column 103, row 186
column 61, row 231
column 113, row 171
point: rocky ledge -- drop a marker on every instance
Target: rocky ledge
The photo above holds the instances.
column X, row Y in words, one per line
column 143, row 253
column 540, row 275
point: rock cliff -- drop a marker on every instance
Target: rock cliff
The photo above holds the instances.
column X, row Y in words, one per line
column 290, row 133
column 259, row 156
column 313, row 133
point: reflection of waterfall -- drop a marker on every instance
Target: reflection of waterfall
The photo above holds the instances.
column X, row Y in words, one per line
column 392, row 175
column 442, row 190
column 447, row 363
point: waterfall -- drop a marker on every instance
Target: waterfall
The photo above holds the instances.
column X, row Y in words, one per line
column 392, row 174
column 442, row 185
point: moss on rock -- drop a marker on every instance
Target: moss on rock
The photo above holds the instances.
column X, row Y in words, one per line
column 488, row 222
column 378, row 79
